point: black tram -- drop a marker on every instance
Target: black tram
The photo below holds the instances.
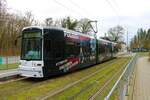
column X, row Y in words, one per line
column 51, row 51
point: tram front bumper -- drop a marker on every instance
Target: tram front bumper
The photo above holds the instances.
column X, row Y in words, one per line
column 31, row 71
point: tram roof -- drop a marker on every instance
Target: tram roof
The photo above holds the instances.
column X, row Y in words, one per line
column 68, row 31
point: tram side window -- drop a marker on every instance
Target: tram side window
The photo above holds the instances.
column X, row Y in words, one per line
column 92, row 48
column 47, row 49
column 99, row 48
column 110, row 48
column 102, row 48
column 72, row 49
column 107, row 49
column 86, row 49
column 58, row 49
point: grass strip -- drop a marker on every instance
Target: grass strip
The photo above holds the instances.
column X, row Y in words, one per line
column 8, row 66
column 142, row 54
column 78, row 88
column 32, row 88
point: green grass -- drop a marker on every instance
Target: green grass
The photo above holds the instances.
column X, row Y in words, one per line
column 8, row 66
column 143, row 54
column 34, row 89
column 116, row 92
column 107, row 73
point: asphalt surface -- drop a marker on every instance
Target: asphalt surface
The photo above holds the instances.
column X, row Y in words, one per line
column 142, row 81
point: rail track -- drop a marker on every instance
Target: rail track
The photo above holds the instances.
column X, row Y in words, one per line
column 46, row 88
column 6, row 80
column 61, row 93
column 93, row 97
column 52, row 93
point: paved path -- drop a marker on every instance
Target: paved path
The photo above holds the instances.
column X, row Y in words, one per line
column 7, row 73
column 142, row 81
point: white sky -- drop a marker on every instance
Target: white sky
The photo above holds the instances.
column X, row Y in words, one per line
column 131, row 14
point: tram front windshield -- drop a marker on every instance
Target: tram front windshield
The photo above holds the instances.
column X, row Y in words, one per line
column 31, row 45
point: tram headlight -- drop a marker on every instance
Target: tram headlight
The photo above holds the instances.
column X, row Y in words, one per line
column 33, row 64
column 37, row 64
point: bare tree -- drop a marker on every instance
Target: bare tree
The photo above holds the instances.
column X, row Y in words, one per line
column 28, row 18
column 84, row 26
column 49, row 21
column 10, row 27
column 3, row 7
column 116, row 33
column 3, row 18
column 69, row 23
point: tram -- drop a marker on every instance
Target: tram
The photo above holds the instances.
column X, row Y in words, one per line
column 47, row 51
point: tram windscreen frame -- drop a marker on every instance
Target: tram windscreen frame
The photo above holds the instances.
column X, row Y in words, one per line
column 31, row 44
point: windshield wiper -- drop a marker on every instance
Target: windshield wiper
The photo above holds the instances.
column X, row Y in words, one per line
column 28, row 59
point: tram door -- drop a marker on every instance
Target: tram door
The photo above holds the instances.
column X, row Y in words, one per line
column 53, row 50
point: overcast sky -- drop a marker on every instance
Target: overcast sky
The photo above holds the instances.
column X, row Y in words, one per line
column 131, row 14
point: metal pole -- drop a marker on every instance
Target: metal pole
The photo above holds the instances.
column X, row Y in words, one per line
column 127, row 40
